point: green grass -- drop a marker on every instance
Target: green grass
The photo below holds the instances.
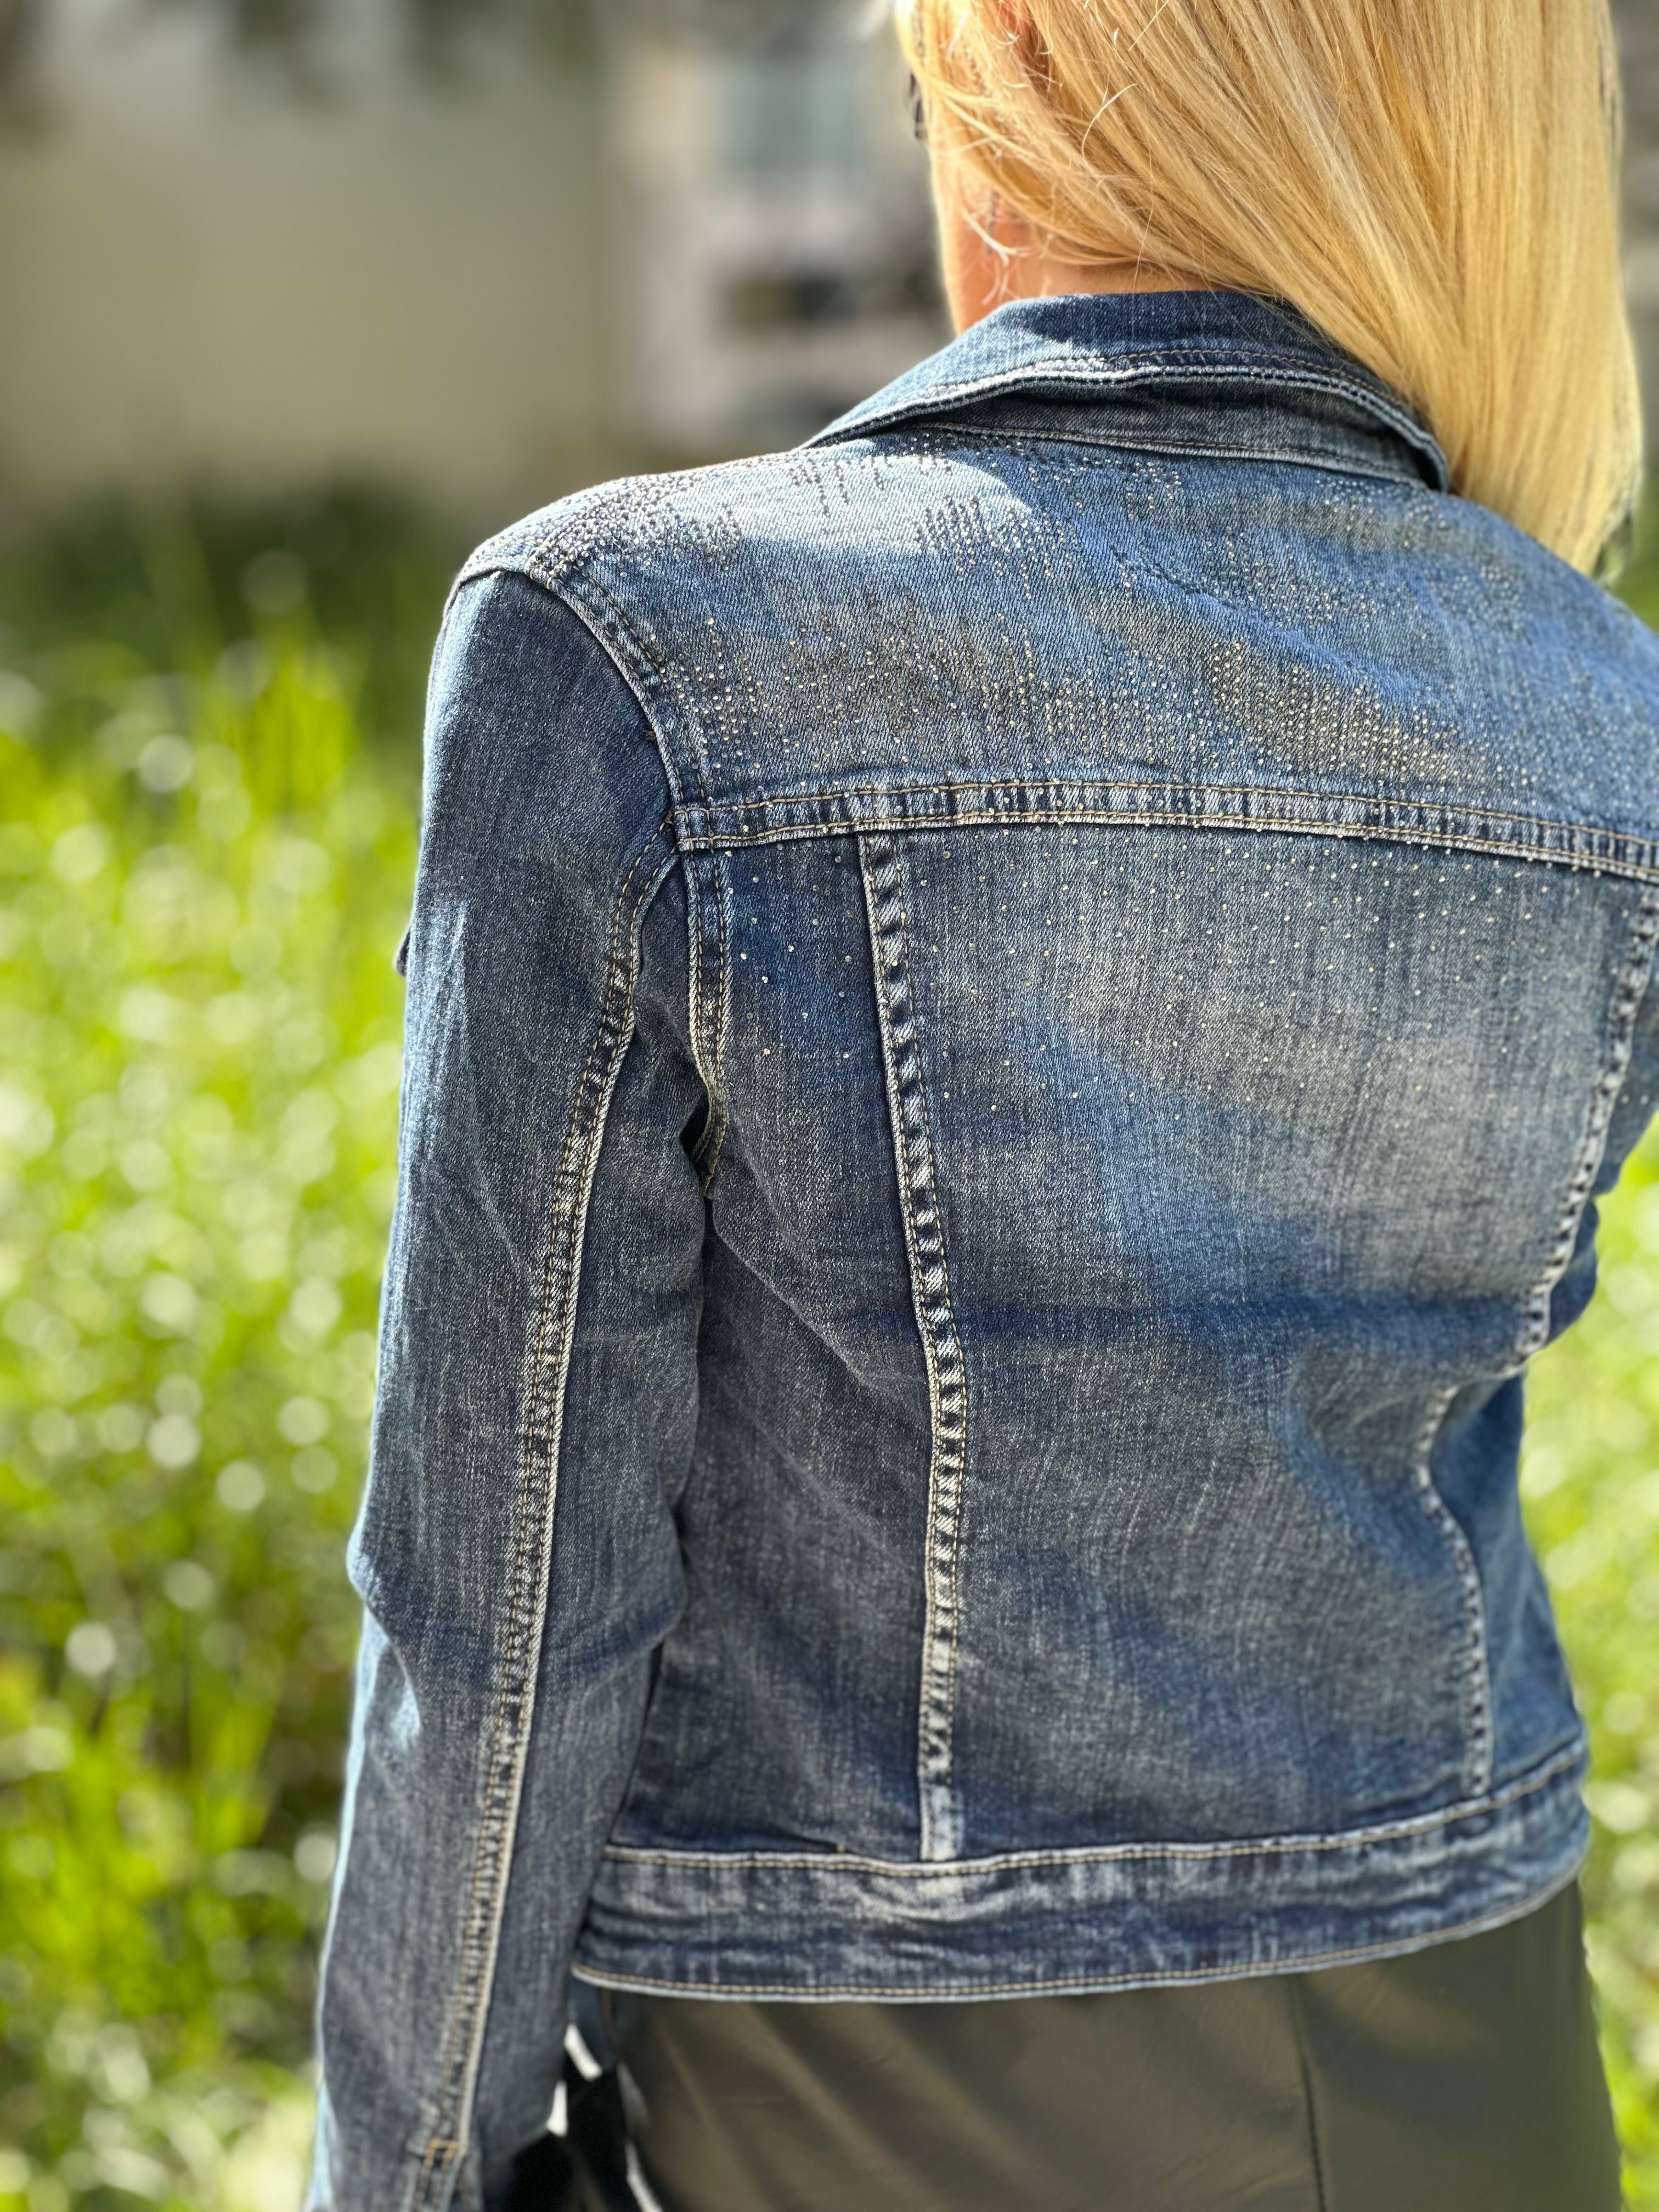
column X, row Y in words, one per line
column 206, row 797
column 204, row 868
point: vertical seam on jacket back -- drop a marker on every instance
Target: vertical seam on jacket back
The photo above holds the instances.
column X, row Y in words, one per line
column 1628, row 992
column 1629, row 989
column 1478, row 1716
column 710, row 1013
column 882, row 868
column 526, row 1590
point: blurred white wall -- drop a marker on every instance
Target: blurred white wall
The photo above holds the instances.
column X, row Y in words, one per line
column 1638, row 31
column 202, row 278
column 487, row 295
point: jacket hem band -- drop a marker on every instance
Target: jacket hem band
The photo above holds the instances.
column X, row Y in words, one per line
column 787, row 1925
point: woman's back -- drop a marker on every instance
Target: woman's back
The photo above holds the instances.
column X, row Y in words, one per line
column 1016, row 1014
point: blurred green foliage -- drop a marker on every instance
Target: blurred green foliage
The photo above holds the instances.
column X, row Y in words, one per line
column 1589, row 1478
column 208, row 777
column 209, row 741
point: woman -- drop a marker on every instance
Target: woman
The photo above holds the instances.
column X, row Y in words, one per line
column 1015, row 1020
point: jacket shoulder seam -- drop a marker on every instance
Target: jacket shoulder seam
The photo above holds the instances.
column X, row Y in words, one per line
column 707, row 922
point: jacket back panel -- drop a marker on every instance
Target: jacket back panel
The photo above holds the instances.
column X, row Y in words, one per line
column 1182, row 918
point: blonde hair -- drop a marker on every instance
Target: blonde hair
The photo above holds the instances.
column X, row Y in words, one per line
column 1432, row 183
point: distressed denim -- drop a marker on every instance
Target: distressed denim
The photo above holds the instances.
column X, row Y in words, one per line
column 1015, row 1018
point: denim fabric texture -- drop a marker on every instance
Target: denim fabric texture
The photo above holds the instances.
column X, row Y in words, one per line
column 1015, row 1020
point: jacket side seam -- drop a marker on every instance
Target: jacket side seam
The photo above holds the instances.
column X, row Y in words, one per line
column 548, row 1363
column 1477, row 1658
column 1629, row 991
column 882, row 867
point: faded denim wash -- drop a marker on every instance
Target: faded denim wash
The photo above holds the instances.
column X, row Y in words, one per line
column 1014, row 1021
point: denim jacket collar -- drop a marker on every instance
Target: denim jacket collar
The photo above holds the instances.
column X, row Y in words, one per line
column 1223, row 370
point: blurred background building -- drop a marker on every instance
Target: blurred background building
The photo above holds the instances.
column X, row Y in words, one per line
column 1638, row 33
column 544, row 261
column 532, row 273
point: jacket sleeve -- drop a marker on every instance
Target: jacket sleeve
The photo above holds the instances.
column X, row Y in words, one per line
column 515, row 1551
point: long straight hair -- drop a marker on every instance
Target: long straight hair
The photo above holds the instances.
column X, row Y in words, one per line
column 1433, row 183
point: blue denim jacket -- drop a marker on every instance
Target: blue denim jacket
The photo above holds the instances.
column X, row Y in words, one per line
column 1014, row 1020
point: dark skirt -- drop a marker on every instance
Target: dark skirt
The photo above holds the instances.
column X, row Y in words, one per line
column 1463, row 2078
